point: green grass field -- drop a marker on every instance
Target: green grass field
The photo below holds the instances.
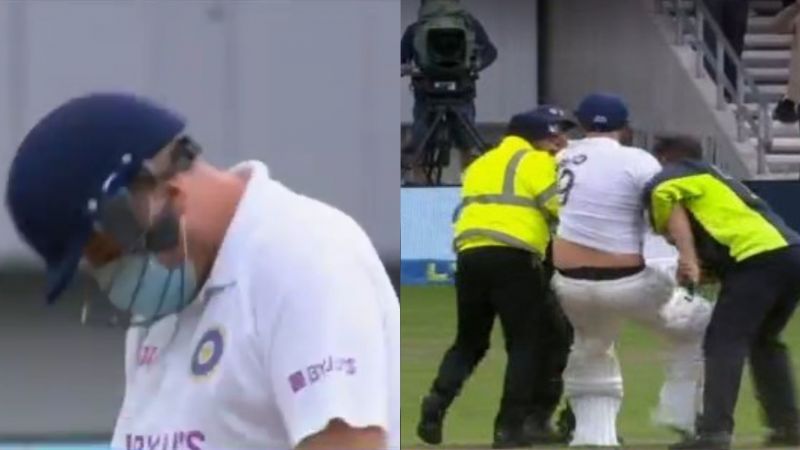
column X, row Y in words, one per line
column 428, row 327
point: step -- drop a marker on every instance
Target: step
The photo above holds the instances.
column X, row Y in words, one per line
column 766, row 58
column 771, row 92
column 789, row 145
column 759, row 24
column 785, row 167
column 767, row 41
column 769, row 74
column 766, row 7
column 753, row 108
column 669, row 5
column 786, row 159
column 785, row 130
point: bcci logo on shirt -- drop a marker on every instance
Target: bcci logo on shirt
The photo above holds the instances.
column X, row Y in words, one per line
column 208, row 352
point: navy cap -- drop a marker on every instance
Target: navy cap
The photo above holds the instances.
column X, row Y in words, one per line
column 602, row 112
column 555, row 115
column 58, row 174
column 540, row 123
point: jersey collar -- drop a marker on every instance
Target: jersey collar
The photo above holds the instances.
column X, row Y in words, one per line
column 602, row 140
column 249, row 212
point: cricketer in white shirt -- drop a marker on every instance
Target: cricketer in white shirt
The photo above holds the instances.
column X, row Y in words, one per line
column 601, row 183
column 296, row 325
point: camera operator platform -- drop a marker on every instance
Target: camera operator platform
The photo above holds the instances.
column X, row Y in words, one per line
column 443, row 52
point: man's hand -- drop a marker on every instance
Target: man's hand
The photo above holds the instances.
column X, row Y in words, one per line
column 407, row 69
column 689, row 272
column 680, row 233
column 338, row 435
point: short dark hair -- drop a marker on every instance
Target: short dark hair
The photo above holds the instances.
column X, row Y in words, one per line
column 679, row 146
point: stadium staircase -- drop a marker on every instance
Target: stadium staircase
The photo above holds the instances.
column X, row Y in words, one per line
column 765, row 60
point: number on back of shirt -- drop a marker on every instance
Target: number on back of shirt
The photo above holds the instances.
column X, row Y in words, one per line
column 566, row 176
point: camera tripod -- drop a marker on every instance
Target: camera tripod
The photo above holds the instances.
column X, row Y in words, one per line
column 432, row 153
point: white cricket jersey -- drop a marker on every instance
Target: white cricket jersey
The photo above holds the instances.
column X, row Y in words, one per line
column 297, row 325
column 601, row 185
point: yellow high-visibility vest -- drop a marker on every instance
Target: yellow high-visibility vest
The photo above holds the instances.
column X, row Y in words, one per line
column 729, row 222
column 508, row 198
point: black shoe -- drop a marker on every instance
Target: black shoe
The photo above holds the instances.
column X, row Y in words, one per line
column 715, row 441
column 785, row 111
column 783, row 438
column 431, row 419
column 538, row 431
column 510, row 438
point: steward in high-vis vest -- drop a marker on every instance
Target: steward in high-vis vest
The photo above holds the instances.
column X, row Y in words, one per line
column 502, row 231
column 720, row 226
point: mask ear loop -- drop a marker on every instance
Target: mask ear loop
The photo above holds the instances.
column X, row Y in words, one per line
column 156, row 317
column 142, row 273
column 174, row 318
column 185, row 300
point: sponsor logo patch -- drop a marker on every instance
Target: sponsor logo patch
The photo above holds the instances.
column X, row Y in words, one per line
column 317, row 372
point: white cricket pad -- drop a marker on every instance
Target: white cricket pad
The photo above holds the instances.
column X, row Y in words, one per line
column 596, row 421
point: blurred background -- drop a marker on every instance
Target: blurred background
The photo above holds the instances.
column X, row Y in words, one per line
column 305, row 85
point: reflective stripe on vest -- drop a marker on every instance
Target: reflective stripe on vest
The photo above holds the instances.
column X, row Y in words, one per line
column 506, row 197
column 498, row 236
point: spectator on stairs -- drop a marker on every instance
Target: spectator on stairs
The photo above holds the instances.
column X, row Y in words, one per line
column 788, row 21
column 731, row 15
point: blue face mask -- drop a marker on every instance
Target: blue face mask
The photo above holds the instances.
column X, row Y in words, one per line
column 141, row 285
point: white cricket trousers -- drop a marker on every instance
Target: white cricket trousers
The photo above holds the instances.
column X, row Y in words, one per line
column 592, row 378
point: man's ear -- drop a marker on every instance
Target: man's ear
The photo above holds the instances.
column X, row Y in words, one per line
column 176, row 188
column 626, row 136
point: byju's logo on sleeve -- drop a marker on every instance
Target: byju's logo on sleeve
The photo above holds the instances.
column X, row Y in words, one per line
column 317, row 372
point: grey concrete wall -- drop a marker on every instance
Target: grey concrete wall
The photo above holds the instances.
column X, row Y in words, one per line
column 57, row 378
column 621, row 46
column 510, row 85
column 308, row 86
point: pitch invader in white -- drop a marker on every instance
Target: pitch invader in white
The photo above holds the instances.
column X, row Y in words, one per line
column 603, row 278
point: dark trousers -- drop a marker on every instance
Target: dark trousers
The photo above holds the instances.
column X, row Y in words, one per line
column 757, row 299
column 490, row 282
column 554, row 345
column 731, row 15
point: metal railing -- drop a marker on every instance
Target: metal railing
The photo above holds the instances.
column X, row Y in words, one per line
column 647, row 139
column 760, row 127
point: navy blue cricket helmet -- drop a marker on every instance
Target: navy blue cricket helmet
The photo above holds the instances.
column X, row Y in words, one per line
column 58, row 175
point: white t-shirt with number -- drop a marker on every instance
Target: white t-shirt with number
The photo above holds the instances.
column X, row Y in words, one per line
column 601, row 185
column 297, row 325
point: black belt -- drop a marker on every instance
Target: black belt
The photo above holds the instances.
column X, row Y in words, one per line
column 600, row 273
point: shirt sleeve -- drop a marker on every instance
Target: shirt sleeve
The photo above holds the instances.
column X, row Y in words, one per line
column 647, row 168
column 662, row 195
column 541, row 175
column 488, row 52
column 327, row 358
